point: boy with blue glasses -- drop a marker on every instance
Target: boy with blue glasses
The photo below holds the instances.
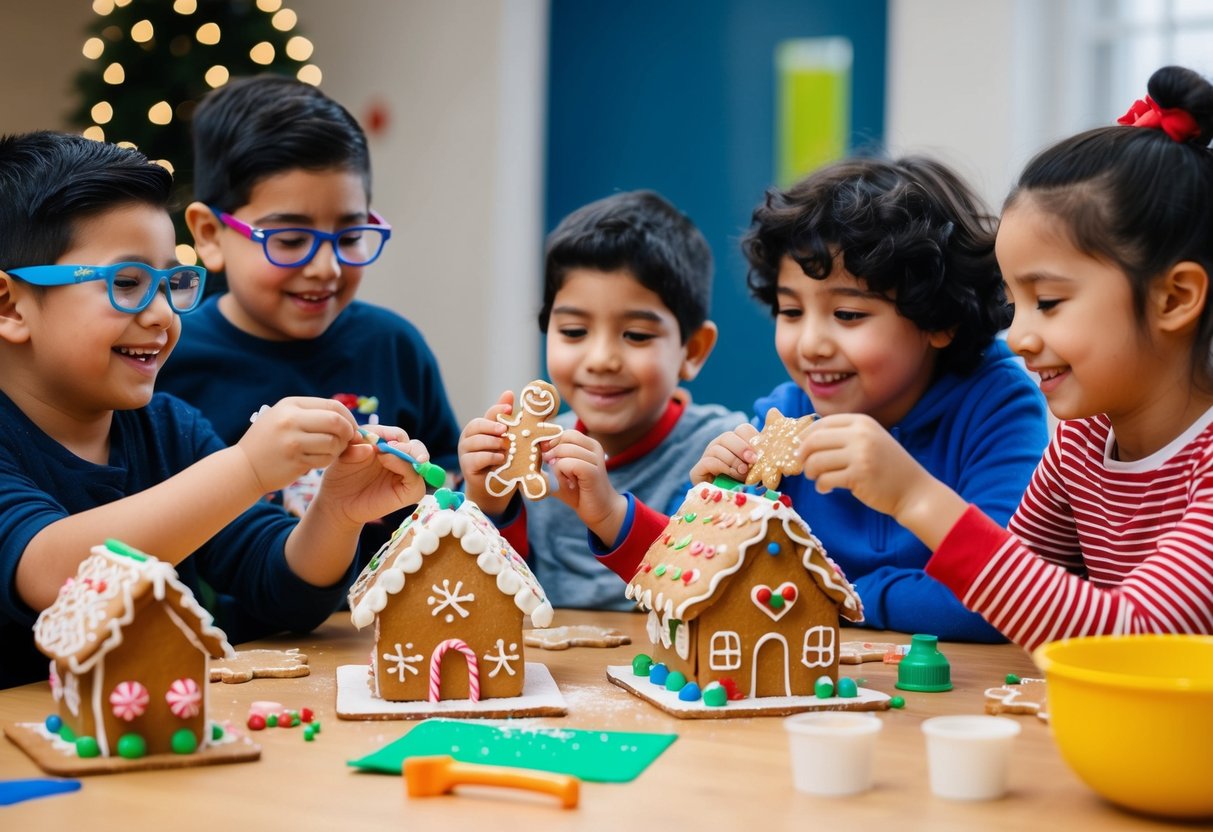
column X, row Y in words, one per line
column 282, row 180
column 87, row 452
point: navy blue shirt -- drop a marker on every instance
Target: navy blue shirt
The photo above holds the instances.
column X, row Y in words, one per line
column 368, row 352
column 42, row 482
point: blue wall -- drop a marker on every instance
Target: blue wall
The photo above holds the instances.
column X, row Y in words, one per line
column 679, row 96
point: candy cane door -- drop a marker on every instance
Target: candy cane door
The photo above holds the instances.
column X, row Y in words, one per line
column 454, row 672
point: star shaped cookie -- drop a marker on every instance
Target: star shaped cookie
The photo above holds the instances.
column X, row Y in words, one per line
column 776, row 446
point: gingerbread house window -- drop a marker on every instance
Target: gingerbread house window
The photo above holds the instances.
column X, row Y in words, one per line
column 818, row 647
column 725, row 651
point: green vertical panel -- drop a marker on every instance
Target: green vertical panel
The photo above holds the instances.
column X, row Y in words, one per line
column 813, row 105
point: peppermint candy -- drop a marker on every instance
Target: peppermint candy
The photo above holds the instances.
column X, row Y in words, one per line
column 129, row 700
column 184, row 698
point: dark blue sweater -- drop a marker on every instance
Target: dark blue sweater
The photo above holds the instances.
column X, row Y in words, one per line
column 367, row 352
column 983, row 435
column 42, row 482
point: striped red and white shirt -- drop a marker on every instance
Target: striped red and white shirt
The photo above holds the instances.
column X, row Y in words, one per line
column 1097, row 546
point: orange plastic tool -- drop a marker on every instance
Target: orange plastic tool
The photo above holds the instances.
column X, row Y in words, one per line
column 429, row 776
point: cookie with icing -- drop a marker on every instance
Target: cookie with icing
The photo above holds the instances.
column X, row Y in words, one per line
column 526, row 430
column 778, row 449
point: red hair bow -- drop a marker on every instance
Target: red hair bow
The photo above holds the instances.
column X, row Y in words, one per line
column 1174, row 121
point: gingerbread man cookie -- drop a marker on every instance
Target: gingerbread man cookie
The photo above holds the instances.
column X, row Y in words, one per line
column 527, row 430
column 262, row 664
column 1027, row 697
column 776, row 446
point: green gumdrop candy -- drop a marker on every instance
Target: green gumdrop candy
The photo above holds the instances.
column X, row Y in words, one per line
column 897, row 702
column 676, row 681
column 641, row 665
column 131, row 746
column 715, row 696
column 823, row 688
column 847, row 689
column 184, row 742
column 87, row 747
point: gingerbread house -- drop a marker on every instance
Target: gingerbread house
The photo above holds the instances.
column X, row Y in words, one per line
column 737, row 588
column 129, row 647
column 447, row 595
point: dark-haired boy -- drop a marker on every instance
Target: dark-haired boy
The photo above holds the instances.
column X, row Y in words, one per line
column 887, row 302
column 627, row 288
column 282, row 179
column 87, row 452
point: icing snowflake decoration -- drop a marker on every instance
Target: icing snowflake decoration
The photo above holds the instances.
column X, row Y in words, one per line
column 444, row 597
column 501, row 659
column 404, row 663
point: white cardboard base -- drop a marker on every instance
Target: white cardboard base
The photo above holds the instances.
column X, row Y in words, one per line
column 668, row 701
column 540, row 697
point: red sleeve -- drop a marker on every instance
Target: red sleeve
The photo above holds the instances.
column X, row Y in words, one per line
column 625, row 558
column 966, row 550
column 514, row 532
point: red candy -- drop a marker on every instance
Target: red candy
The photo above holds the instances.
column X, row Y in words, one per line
column 716, row 497
column 284, row 719
column 763, row 595
column 786, row 500
column 306, row 715
column 256, row 722
column 739, row 499
column 730, row 689
column 788, row 593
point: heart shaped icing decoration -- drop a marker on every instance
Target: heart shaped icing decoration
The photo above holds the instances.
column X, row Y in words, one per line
column 774, row 602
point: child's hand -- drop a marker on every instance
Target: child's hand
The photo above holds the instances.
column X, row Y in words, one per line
column 482, row 448
column 730, row 454
column 363, row 484
column 579, row 464
column 293, row 437
column 852, row 451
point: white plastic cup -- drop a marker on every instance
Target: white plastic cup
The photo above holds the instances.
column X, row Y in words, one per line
column 968, row 756
column 832, row 751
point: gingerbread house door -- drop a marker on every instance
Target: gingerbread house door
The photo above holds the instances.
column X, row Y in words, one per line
column 769, row 675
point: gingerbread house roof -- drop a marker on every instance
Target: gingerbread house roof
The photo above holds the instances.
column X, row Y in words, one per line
column 87, row 619
column 708, row 541
column 436, row 517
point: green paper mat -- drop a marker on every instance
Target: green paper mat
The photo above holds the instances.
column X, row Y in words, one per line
column 599, row 756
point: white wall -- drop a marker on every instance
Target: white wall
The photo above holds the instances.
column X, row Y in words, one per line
column 974, row 84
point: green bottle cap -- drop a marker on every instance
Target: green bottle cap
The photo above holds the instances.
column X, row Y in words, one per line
column 924, row 668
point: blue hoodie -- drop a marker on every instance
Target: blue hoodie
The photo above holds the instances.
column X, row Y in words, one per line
column 983, row 435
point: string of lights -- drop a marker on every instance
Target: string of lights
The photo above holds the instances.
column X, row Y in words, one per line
column 151, row 61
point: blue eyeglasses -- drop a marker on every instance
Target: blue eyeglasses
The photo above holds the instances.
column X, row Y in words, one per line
column 358, row 245
column 132, row 286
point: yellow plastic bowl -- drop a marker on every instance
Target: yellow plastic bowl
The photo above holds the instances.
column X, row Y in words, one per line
column 1133, row 717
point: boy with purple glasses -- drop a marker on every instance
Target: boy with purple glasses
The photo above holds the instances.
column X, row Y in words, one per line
column 282, row 180
column 90, row 297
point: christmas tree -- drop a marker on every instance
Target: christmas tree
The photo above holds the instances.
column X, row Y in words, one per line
column 154, row 59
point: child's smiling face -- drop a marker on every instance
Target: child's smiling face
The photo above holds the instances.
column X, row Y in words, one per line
column 615, row 354
column 849, row 348
column 291, row 303
column 1074, row 323
column 88, row 357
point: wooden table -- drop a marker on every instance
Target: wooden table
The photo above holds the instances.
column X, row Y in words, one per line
column 721, row 774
